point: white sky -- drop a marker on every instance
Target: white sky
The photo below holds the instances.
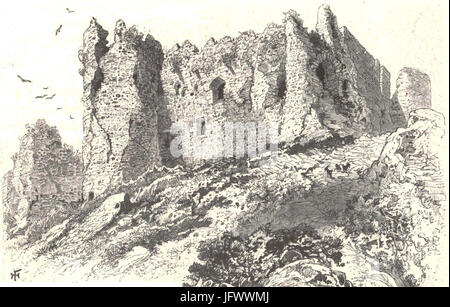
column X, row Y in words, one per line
column 397, row 32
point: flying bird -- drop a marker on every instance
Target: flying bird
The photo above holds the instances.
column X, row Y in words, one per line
column 22, row 79
column 50, row 97
column 70, row 116
column 45, row 88
column 59, row 108
column 69, row 10
column 58, row 30
column 41, row 96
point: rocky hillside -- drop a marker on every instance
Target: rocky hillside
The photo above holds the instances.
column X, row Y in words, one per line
column 340, row 212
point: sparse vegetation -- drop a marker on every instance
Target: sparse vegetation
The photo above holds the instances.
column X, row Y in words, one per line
column 250, row 261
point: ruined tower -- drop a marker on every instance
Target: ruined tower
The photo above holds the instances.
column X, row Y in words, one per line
column 46, row 172
column 334, row 86
column 121, row 94
column 413, row 90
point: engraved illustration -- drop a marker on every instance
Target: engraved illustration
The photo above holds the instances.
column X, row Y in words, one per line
column 274, row 158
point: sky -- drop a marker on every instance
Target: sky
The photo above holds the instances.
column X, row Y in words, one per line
column 400, row 33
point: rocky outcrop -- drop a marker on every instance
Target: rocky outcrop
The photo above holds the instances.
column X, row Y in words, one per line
column 306, row 274
column 413, row 90
column 370, row 205
column 411, row 181
column 412, row 154
column 45, row 170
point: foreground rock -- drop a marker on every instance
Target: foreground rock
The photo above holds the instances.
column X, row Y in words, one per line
column 305, row 274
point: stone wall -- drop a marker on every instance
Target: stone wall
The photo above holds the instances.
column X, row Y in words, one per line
column 122, row 92
column 335, row 87
column 316, row 84
column 364, row 83
column 385, row 82
column 304, row 88
column 248, row 71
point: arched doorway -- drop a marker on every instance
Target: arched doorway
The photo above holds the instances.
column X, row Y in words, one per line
column 217, row 87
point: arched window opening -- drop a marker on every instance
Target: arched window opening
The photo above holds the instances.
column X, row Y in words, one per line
column 166, row 139
column 282, row 87
column 177, row 88
column 201, row 126
column 320, row 73
column 126, row 198
column 346, row 88
column 218, row 89
column 91, row 196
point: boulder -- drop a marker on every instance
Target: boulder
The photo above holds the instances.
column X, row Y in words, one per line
column 304, row 273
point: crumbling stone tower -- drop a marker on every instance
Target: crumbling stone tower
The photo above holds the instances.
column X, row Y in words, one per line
column 334, row 86
column 46, row 172
column 121, row 94
column 413, row 90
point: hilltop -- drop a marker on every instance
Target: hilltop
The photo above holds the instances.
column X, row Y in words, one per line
column 354, row 196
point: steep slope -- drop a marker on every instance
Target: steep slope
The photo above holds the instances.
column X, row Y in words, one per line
column 172, row 210
column 348, row 212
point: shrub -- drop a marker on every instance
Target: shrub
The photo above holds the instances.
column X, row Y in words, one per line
column 249, row 261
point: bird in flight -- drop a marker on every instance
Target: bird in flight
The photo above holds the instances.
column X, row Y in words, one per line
column 45, row 88
column 22, row 79
column 70, row 116
column 50, row 97
column 59, row 108
column 58, row 30
column 69, row 10
column 41, row 96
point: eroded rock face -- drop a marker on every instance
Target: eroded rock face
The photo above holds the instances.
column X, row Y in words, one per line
column 412, row 186
column 44, row 170
column 413, row 90
column 412, row 154
column 121, row 95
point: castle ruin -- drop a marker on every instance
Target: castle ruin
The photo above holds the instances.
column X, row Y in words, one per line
column 45, row 172
column 316, row 84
